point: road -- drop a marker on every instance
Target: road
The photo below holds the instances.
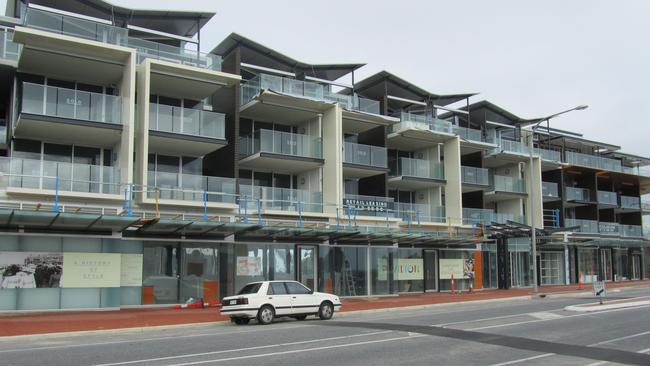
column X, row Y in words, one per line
column 507, row 332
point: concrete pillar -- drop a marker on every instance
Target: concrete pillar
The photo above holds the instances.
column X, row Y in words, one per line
column 453, row 188
column 332, row 123
column 534, row 189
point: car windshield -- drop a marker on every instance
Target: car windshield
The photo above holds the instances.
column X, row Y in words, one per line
column 251, row 288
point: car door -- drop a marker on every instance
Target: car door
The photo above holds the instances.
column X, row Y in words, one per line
column 278, row 296
column 302, row 300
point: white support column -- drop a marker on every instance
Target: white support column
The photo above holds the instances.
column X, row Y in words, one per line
column 332, row 122
column 453, row 188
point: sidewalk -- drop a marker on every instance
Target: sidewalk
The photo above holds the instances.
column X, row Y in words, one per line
column 12, row 324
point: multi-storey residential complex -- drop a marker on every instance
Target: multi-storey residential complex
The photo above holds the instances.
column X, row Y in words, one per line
column 137, row 170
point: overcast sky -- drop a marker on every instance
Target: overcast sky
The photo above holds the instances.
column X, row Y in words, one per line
column 533, row 58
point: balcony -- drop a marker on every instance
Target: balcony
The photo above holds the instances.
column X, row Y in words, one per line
column 642, row 171
column 631, row 231
column 188, row 131
column 48, row 112
column 481, row 216
column 609, row 228
column 34, row 176
column 578, row 196
column 281, row 151
column 590, row 161
column 548, row 155
column 280, row 199
column 550, row 191
column 416, row 131
column 363, row 160
column 9, row 50
column 630, row 203
column 416, row 213
column 584, row 226
column 303, row 89
column 355, row 204
column 504, row 187
column 157, row 51
column 413, row 174
column 474, row 176
column 607, row 198
column 190, row 188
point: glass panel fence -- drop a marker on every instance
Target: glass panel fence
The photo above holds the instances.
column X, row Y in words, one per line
column 607, row 198
column 592, row 161
column 190, row 187
column 609, row 228
column 283, row 143
column 630, row 202
column 550, row 155
column 578, row 194
column 472, row 175
column 507, row 184
column 9, row 49
column 186, row 121
column 417, row 212
column 632, row 231
column 365, row 155
column 417, row 168
column 584, row 226
column 550, row 189
column 284, row 199
column 163, row 52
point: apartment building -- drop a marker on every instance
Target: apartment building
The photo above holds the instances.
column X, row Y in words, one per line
column 137, row 170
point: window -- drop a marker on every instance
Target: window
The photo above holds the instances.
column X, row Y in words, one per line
column 297, row 289
column 277, row 288
column 251, row 288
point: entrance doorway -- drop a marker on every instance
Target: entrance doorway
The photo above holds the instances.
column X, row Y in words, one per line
column 606, row 264
column 307, row 265
column 430, row 271
column 636, row 267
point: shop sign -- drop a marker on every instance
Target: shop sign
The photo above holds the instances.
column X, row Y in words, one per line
column 450, row 267
column 131, row 270
column 407, row 269
column 249, row 266
column 30, row 269
column 366, row 204
column 89, row 270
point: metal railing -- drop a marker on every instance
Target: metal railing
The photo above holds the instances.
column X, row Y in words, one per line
column 550, row 189
column 367, row 155
column 607, row 198
column 283, row 199
column 158, row 51
column 419, row 168
column 70, row 103
column 472, row 175
column 59, row 176
column 578, row 194
column 584, row 226
column 417, row 213
column 186, row 121
column 190, row 187
column 76, row 27
column 9, row 50
column 501, row 183
column 630, row 202
column 283, row 143
column 306, row 89
column 551, row 218
column 591, row 161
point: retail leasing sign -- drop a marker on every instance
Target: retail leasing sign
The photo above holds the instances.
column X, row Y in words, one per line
column 88, row 270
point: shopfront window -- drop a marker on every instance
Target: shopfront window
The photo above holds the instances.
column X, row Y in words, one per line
column 621, row 265
column 199, row 274
column 260, row 262
column 520, row 268
column 489, row 268
column 344, row 270
column 160, row 274
column 552, row 268
column 410, row 282
column 383, row 276
column 460, row 264
column 588, row 264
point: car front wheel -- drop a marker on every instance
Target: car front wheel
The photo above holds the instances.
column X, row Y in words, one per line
column 265, row 315
column 325, row 311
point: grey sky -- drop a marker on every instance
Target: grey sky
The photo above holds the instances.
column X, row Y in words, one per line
column 533, row 58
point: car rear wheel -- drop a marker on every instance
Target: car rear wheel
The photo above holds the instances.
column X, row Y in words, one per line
column 265, row 315
column 325, row 311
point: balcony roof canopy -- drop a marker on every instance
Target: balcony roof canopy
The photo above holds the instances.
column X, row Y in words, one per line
column 385, row 83
column 177, row 22
column 260, row 55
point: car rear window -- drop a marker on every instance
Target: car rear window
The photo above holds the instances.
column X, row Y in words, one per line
column 297, row 289
column 277, row 288
column 251, row 288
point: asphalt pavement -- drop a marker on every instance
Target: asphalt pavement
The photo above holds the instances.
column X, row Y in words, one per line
column 505, row 332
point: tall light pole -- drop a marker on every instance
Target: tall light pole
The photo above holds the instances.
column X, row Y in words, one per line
column 533, row 212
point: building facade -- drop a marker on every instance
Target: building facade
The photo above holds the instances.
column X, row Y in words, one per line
column 137, row 171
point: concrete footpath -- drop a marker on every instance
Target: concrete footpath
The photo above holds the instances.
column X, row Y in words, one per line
column 25, row 323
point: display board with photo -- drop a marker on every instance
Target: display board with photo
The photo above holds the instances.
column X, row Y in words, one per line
column 30, row 269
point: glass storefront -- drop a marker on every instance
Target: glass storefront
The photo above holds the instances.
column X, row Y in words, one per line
column 460, row 263
column 344, row 270
column 588, row 264
column 621, row 265
column 520, row 268
column 412, row 256
column 489, row 267
column 552, row 268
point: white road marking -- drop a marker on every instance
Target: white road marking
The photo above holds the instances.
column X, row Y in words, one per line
column 299, row 350
column 621, row 339
column 243, row 349
column 523, row 359
column 647, row 350
column 544, row 315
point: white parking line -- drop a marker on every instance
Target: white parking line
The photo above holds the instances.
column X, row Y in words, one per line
column 299, row 350
column 523, row 359
column 622, row 339
column 242, row 349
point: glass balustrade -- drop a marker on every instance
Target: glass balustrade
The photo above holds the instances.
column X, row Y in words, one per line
column 304, row 89
column 630, row 202
column 609, row 228
column 282, row 199
column 186, row 121
column 607, row 198
column 282, row 143
column 158, row 51
column 578, row 194
column 190, row 187
column 61, row 176
column 76, row 27
column 374, row 156
column 419, row 168
column 477, row 216
column 9, row 50
column 422, row 122
column 417, row 212
column 550, row 155
column 472, row 175
column 584, row 226
column 550, row 189
column 467, row 133
column 70, row 103
column 631, row 231
column 513, row 147
column 501, row 183
column 591, row 161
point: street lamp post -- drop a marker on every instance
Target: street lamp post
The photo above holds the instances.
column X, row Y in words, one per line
column 533, row 212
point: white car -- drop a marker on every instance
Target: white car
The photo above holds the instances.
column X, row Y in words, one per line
column 267, row 300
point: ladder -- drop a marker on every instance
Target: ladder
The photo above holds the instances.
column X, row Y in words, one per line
column 348, row 279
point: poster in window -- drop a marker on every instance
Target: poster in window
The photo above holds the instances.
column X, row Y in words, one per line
column 408, row 269
column 449, row 267
column 249, row 266
column 468, row 268
column 131, row 270
column 91, row 270
column 30, row 269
